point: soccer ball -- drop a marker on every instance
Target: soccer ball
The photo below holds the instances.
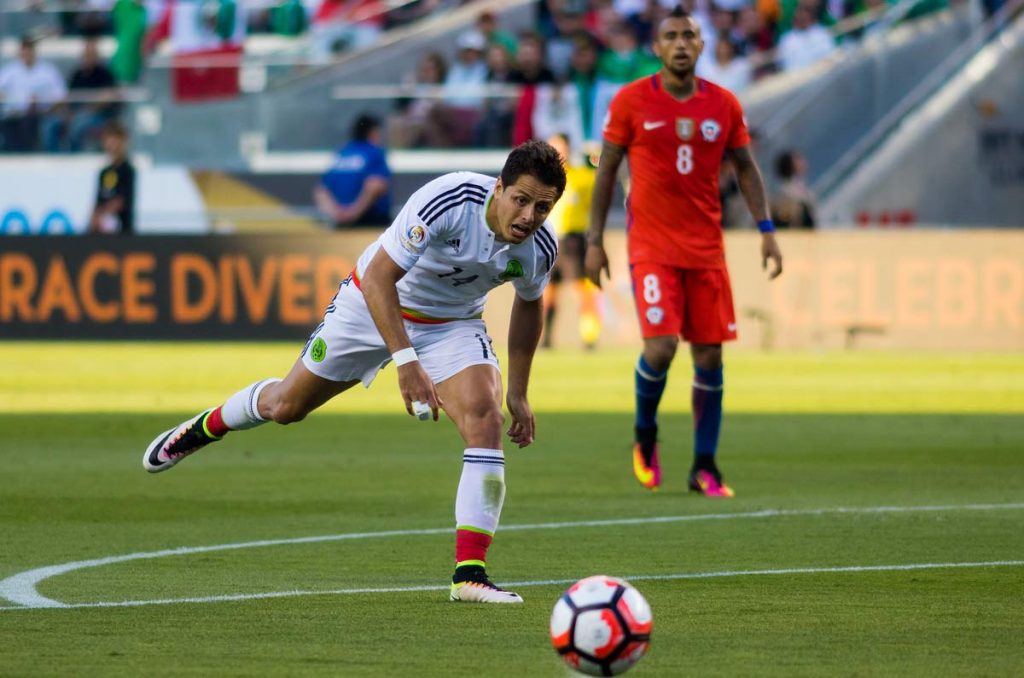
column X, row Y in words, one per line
column 601, row 626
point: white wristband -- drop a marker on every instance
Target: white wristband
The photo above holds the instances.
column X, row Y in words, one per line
column 406, row 355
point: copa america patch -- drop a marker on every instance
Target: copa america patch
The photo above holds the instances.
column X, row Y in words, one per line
column 710, row 129
column 655, row 314
column 414, row 236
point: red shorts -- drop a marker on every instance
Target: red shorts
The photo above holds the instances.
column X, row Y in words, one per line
column 693, row 302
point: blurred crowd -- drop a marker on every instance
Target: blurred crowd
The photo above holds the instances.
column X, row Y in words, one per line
column 502, row 88
column 44, row 111
column 499, row 88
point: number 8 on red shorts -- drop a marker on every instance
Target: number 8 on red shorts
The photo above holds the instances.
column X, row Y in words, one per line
column 695, row 303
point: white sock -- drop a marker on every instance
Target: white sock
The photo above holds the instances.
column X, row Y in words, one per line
column 241, row 410
column 481, row 489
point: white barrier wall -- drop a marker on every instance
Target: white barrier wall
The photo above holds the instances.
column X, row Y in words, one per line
column 869, row 289
column 50, row 195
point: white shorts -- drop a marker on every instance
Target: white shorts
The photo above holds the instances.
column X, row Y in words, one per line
column 346, row 346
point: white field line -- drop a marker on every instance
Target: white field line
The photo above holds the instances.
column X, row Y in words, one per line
column 21, row 588
column 542, row 582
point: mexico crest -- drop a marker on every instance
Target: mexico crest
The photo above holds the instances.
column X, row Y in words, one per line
column 514, row 269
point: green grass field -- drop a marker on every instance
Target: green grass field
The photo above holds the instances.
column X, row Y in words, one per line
column 920, row 575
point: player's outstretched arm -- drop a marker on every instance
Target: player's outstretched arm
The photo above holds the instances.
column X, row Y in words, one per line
column 378, row 286
column 596, row 259
column 523, row 335
column 751, row 184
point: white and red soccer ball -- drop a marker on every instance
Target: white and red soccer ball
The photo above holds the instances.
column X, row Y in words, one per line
column 601, row 626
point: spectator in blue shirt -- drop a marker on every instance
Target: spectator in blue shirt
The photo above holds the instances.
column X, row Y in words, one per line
column 356, row 190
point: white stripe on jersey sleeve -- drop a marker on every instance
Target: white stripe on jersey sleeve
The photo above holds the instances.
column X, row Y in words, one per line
column 545, row 252
column 407, row 238
column 420, row 223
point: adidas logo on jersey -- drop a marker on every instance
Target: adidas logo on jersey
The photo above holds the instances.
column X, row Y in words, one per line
column 454, row 243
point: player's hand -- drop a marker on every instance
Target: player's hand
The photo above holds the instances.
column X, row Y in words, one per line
column 770, row 251
column 345, row 215
column 416, row 385
column 324, row 202
column 523, row 426
column 596, row 261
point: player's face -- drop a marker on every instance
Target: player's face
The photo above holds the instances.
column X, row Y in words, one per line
column 521, row 208
column 678, row 44
column 113, row 144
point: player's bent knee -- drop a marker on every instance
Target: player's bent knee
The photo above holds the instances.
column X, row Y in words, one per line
column 659, row 351
column 708, row 356
column 493, row 419
column 485, row 421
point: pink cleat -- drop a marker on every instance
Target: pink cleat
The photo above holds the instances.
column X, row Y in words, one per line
column 706, row 483
column 649, row 474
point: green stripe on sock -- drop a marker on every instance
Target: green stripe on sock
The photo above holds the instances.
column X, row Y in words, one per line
column 206, row 430
column 470, row 528
column 461, row 563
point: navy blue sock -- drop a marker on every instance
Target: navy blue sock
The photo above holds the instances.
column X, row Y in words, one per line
column 707, row 413
column 650, row 384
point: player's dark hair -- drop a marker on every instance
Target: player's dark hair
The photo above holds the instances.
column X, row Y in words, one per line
column 439, row 63
column 364, row 125
column 115, row 128
column 537, row 159
column 785, row 164
column 677, row 13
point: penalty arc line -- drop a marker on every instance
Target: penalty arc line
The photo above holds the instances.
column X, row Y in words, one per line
column 21, row 588
column 241, row 597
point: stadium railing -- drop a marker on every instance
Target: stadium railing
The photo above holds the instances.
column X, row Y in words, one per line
column 955, row 60
column 825, row 109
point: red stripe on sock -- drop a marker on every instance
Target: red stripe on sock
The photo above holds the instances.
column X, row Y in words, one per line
column 471, row 545
column 215, row 424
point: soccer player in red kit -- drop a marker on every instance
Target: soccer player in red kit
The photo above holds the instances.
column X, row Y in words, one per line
column 676, row 128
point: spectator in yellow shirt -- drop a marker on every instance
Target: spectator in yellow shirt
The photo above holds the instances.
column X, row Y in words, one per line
column 571, row 217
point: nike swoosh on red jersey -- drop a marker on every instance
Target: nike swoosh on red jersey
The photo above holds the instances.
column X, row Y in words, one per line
column 653, row 125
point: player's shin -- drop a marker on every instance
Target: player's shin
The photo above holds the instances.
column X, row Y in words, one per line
column 707, row 422
column 477, row 510
column 241, row 411
column 650, row 385
column 477, row 507
column 707, row 413
column 590, row 312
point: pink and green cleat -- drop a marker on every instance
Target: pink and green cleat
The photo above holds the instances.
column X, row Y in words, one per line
column 648, row 472
column 474, row 586
column 710, row 484
column 173, row 445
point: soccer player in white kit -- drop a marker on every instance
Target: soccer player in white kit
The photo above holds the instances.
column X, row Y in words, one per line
column 415, row 298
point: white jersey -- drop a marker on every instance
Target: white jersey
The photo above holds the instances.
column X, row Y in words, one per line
column 452, row 257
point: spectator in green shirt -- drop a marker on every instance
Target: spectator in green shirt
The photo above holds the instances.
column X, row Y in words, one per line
column 623, row 62
column 129, row 30
column 487, row 24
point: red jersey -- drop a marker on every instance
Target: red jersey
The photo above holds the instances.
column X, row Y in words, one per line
column 675, row 154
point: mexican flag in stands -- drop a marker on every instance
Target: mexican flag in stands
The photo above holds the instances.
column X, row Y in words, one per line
column 206, row 38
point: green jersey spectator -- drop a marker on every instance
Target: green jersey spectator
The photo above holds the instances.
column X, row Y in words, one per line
column 129, row 30
column 624, row 61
